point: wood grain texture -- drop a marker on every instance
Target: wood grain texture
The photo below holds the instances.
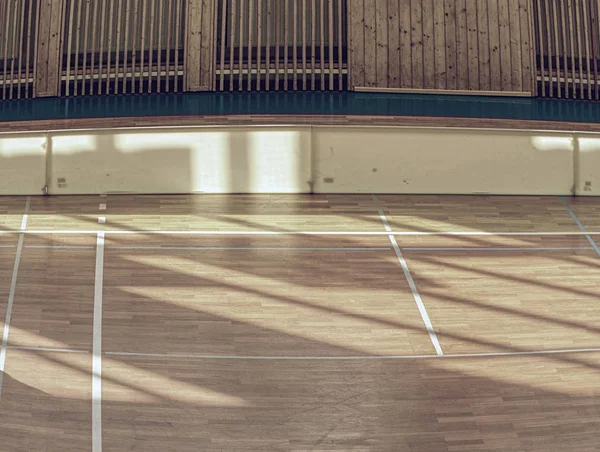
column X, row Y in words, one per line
column 446, row 45
column 54, row 298
column 515, row 403
column 250, row 120
column 46, row 400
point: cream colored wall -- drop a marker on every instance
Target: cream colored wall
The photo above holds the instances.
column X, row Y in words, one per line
column 301, row 160
column 200, row 160
column 393, row 160
column 22, row 164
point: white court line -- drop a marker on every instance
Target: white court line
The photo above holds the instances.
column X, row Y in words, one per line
column 242, row 248
column 411, row 282
column 581, row 226
column 11, row 294
column 360, row 357
column 65, row 247
column 7, row 246
column 97, row 348
column 334, row 233
column 45, row 349
column 508, row 248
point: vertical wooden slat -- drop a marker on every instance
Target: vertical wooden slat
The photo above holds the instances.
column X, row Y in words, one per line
column 393, row 56
column 357, row 43
column 128, row 20
column 331, row 44
column 134, row 42
column 295, row 41
column 540, row 29
column 30, row 27
column 259, row 34
column 151, row 44
column 36, row 39
column 304, row 22
column 85, row 49
column 232, row 43
column 595, row 42
column 21, row 36
column 101, row 50
column 159, row 43
column 70, row 33
column 587, row 34
column 58, row 33
column 515, row 46
column 380, row 24
column 549, row 46
column 370, row 25
column 168, row 54
column 286, row 50
column 118, row 49
column 243, row 18
column 483, row 42
column 472, row 45
column 462, row 54
column 494, row 33
column 94, row 45
column 505, row 46
column 313, row 41
column 77, row 47
column 572, row 49
column 525, row 39
column 13, row 52
column 268, row 43
column 322, row 40
column 579, row 46
column 439, row 44
column 109, row 46
column 177, row 44
column 450, row 37
column 4, row 15
column 554, row 25
column 143, row 46
column 340, row 40
column 428, row 44
column 207, row 79
column 250, row 41
column 277, row 42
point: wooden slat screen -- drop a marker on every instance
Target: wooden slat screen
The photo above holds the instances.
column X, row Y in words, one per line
column 567, row 34
column 441, row 45
column 281, row 45
column 122, row 47
column 18, row 35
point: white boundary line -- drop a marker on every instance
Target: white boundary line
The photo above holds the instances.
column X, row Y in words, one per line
column 97, row 348
column 581, row 226
column 334, row 233
column 508, row 248
column 411, row 282
column 246, row 248
column 11, row 295
column 351, row 358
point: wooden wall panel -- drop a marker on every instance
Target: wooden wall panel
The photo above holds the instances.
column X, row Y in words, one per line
column 455, row 45
column 47, row 74
column 199, row 73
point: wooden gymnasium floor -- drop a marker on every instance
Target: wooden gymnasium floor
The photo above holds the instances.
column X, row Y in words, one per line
column 299, row 323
